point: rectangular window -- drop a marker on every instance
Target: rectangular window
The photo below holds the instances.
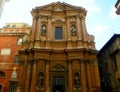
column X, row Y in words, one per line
column 5, row 51
column 16, row 59
column 58, row 33
column 12, row 87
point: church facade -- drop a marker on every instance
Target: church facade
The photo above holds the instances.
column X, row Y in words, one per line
column 58, row 55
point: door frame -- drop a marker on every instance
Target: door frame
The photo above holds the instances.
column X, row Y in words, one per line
column 58, row 73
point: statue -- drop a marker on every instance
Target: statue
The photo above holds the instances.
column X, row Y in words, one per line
column 40, row 80
column 73, row 30
column 14, row 73
column 76, row 80
column 43, row 30
column 26, row 38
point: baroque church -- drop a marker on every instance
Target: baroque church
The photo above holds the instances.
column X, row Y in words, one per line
column 58, row 55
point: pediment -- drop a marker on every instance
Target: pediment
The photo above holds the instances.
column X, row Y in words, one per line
column 58, row 67
column 59, row 6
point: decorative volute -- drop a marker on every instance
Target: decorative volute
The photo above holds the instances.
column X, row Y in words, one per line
column 60, row 26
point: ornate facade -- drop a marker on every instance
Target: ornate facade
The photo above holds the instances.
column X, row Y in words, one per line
column 59, row 55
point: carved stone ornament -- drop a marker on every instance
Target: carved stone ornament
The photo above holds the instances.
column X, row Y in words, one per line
column 58, row 8
column 26, row 39
column 58, row 67
column 76, row 80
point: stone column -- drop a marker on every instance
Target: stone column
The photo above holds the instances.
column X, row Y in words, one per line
column 49, row 29
column 70, row 79
column 83, row 75
column 84, row 31
column 47, row 88
column 37, row 33
column 33, row 32
column 89, row 77
column 69, row 43
column 79, row 34
column 34, row 75
column 27, row 81
column 93, row 76
column 97, row 77
column 23, row 75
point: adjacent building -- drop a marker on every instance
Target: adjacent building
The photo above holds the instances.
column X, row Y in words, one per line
column 10, row 42
column 109, row 65
column 58, row 55
column 117, row 5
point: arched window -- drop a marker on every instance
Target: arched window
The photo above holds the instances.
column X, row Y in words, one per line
column 2, row 74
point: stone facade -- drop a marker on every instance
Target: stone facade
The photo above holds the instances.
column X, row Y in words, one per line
column 10, row 42
column 109, row 65
column 59, row 55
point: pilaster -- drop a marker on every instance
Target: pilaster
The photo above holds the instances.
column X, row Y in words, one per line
column 69, row 42
column 84, row 31
column 83, row 75
column 37, row 33
column 24, row 69
column 48, row 33
column 28, row 74
column 47, row 88
column 89, row 76
column 33, row 32
column 33, row 28
column 70, row 82
column 34, row 75
column 79, row 28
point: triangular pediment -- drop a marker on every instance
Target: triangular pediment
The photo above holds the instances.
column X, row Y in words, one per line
column 59, row 6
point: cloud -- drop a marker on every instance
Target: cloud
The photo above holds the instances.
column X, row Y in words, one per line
column 112, row 13
column 89, row 5
column 99, row 29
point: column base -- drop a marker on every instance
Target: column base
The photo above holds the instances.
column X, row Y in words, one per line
column 79, row 44
column 69, row 44
column 37, row 44
column 47, row 44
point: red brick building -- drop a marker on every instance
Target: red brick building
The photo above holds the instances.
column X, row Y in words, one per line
column 10, row 42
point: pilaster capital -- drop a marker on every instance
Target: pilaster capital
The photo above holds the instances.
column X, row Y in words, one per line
column 82, row 17
column 86, row 61
column 69, row 61
column 67, row 17
column 32, row 61
column 47, row 61
column 49, row 17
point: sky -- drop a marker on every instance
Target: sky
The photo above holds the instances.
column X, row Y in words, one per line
column 101, row 19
